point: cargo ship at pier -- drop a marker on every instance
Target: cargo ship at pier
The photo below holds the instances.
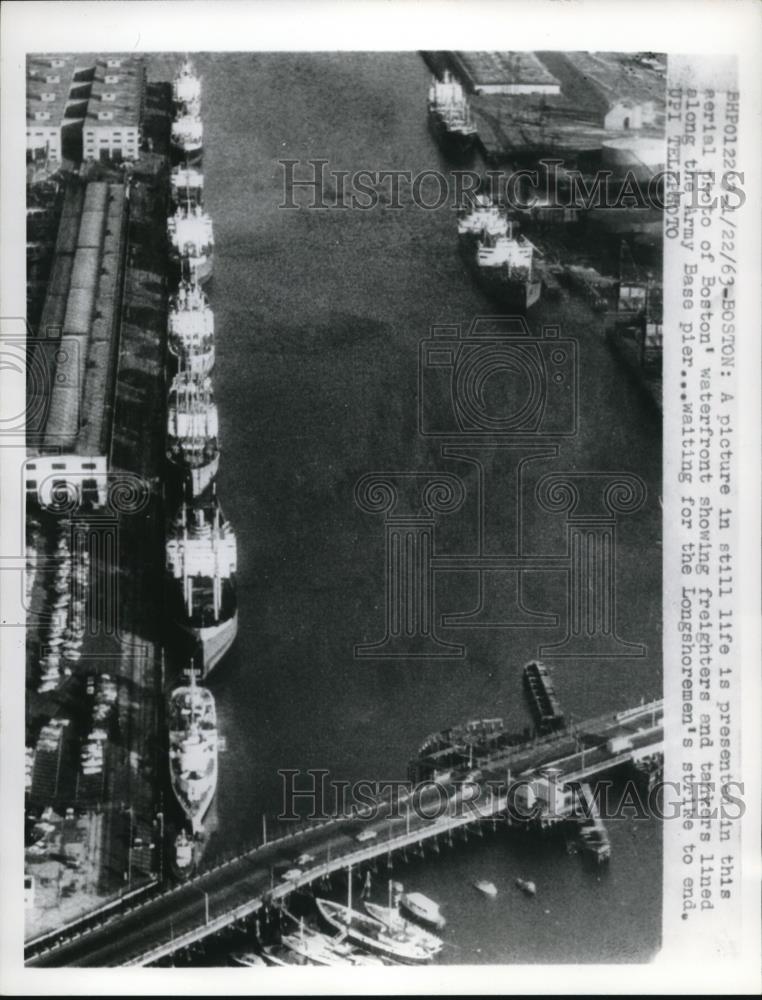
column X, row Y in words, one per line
column 480, row 219
column 186, row 91
column 192, row 429
column 193, row 746
column 450, row 116
column 191, row 329
column 506, row 269
column 191, row 242
column 186, row 186
column 187, row 139
column 201, row 560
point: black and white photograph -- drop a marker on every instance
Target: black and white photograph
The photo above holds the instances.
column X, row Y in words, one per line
column 376, row 556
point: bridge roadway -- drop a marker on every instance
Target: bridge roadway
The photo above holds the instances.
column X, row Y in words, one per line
column 178, row 917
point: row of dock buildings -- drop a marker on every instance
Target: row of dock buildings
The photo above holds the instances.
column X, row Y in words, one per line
column 78, row 108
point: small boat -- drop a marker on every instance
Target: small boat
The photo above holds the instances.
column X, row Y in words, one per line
column 247, row 958
column 422, row 908
column 526, row 886
column 393, row 920
column 371, row 934
column 183, row 861
column 279, row 954
column 488, row 888
column 314, row 947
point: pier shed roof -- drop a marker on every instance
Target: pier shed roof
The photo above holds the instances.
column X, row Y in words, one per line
column 117, row 92
column 497, row 70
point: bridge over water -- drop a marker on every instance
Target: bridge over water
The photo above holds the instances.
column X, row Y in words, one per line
column 141, row 932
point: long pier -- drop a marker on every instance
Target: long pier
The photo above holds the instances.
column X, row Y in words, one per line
column 145, row 931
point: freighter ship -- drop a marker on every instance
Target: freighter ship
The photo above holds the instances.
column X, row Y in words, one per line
column 186, row 90
column 479, row 218
column 186, row 185
column 187, row 138
column 191, row 239
column 201, row 555
column 193, row 750
column 505, row 265
column 192, row 427
column 503, row 260
column 191, row 329
column 450, row 115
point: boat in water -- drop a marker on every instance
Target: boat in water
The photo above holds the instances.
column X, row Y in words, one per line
column 193, row 745
column 183, row 859
column 187, row 138
column 450, row 115
column 281, row 954
column 191, row 242
column 186, row 185
column 479, row 217
column 527, row 887
column 247, row 958
column 422, row 908
column 488, row 888
column 396, row 924
column 314, row 947
column 502, row 259
column 186, row 90
column 372, row 935
column 192, row 429
column 191, row 329
column 201, row 558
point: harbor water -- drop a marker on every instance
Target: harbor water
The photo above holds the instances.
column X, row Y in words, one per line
column 319, row 314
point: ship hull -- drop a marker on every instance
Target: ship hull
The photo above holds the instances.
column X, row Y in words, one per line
column 214, row 641
column 193, row 753
column 200, row 477
column 364, row 931
column 196, row 364
column 455, row 143
column 187, row 152
column 520, row 295
column 198, row 269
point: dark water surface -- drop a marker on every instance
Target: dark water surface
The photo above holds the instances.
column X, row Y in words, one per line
column 319, row 315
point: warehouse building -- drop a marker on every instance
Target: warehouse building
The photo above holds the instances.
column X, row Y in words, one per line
column 72, row 462
column 504, row 73
column 112, row 126
column 80, row 108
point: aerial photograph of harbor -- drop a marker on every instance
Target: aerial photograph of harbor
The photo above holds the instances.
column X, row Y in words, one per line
column 343, row 491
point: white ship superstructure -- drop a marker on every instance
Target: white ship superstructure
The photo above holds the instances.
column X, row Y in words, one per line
column 187, row 138
column 192, row 430
column 201, row 558
column 186, row 185
column 506, row 264
column 186, row 90
column 483, row 218
column 450, row 114
column 191, row 239
column 193, row 746
column 191, row 329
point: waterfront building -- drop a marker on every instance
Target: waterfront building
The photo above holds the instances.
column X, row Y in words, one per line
column 73, row 365
column 504, row 73
column 112, row 127
column 78, row 109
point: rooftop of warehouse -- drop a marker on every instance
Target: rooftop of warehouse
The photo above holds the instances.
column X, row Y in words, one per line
column 494, row 68
column 48, row 83
column 118, row 89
